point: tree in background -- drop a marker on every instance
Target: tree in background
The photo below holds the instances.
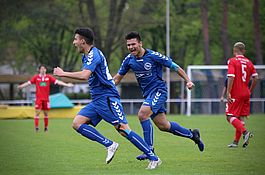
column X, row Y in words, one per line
column 108, row 41
column 257, row 34
column 224, row 33
column 205, row 31
column 42, row 32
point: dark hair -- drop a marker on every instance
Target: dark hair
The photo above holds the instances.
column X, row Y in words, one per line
column 41, row 65
column 132, row 35
column 87, row 34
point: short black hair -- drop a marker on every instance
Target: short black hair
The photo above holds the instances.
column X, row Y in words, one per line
column 87, row 34
column 132, row 35
column 41, row 65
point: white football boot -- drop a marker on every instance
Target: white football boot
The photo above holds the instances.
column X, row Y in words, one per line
column 154, row 164
column 111, row 150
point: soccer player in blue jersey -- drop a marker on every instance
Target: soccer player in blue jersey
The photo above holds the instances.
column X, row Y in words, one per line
column 105, row 102
column 147, row 66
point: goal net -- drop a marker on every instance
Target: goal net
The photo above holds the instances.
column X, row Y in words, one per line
column 209, row 82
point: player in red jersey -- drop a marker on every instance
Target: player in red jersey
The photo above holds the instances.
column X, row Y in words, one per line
column 43, row 82
column 240, row 71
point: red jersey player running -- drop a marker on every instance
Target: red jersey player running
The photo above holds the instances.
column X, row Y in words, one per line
column 240, row 70
column 42, row 82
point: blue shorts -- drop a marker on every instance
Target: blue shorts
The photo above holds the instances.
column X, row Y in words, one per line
column 106, row 108
column 156, row 100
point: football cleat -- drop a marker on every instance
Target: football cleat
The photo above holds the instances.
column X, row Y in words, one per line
column 36, row 129
column 234, row 144
column 197, row 139
column 111, row 150
column 45, row 129
column 143, row 156
column 246, row 136
column 154, row 164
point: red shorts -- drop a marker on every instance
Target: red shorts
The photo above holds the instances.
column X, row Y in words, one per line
column 240, row 107
column 42, row 105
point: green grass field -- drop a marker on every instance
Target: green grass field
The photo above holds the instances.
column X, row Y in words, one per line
column 63, row 151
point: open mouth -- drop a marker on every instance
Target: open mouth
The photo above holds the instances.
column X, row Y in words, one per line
column 132, row 50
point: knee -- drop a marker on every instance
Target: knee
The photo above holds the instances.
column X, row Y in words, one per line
column 75, row 125
column 142, row 116
column 228, row 118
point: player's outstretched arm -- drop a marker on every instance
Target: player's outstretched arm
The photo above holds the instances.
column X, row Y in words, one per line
column 183, row 74
column 80, row 75
column 61, row 83
column 21, row 86
column 117, row 78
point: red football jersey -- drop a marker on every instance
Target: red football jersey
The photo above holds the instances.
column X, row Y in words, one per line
column 241, row 68
column 42, row 85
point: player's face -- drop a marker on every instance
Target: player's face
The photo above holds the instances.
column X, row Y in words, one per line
column 42, row 70
column 134, row 46
column 79, row 42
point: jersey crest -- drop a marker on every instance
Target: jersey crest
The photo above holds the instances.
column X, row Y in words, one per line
column 147, row 66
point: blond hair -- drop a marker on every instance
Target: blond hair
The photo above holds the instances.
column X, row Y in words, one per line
column 240, row 46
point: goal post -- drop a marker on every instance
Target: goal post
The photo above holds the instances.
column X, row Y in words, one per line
column 209, row 82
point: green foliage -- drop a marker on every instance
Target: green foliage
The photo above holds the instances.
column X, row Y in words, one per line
column 63, row 151
column 35, row 32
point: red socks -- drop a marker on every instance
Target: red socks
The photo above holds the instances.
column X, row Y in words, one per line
column 238, row 134
column 46, row 121
column 36, row 122
column 239, row 127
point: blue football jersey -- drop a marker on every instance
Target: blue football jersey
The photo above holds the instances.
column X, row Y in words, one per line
column 148, row 70
column 101, row 81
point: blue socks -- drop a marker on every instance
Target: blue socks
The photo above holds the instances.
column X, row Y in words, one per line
column 148, row 132
column 176, row 129
column 141, row 145
column 92, row 134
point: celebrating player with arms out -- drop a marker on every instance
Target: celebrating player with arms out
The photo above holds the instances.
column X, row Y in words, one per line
column 147, row 66
column 42, row 82
column 105, row 103
column 240, row 70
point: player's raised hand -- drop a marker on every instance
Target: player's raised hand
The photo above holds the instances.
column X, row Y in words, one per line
column 70, row 85
column 190, row 85
column 58, row 71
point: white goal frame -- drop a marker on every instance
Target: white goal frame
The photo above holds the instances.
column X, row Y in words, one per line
column 209, row 67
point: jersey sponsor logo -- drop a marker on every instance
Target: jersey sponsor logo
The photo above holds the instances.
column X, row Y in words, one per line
column 143, row 74
column 43, row 83
column 156, row 98
column 147, row 66
column 117, row 109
